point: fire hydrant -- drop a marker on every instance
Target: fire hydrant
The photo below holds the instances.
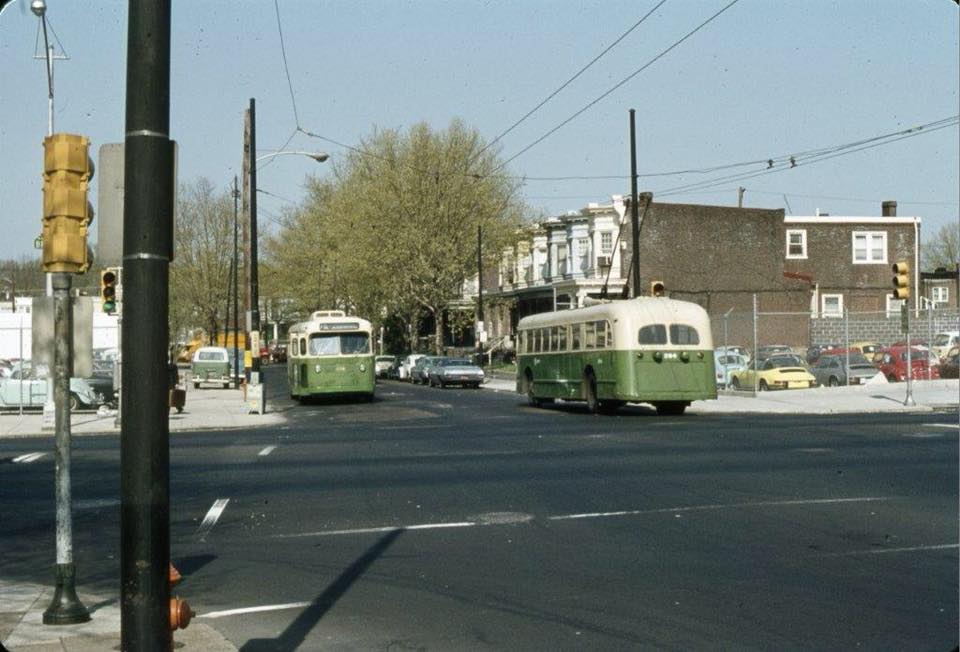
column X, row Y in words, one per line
column 180, row 612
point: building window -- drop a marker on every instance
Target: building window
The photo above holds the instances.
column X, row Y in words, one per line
column 940, row 294
column 796, row 243
column 583, row 251
column 893, row 306
column 561, row 259
column 606, row 242
column 869, row 247
column 831, row 305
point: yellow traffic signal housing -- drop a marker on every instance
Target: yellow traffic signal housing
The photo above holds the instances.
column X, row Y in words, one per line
column 657, row 288
column 67, row 212
column 901, row 281
column 108, row 289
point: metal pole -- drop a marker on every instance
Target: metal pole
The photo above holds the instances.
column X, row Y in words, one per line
column 480, row 324
column 260, row 394
column 846, row 342
column 634, row 208
column 908, row 400
column 236, row 274
column 755, row 379
column 147, row 249
column 65, row 608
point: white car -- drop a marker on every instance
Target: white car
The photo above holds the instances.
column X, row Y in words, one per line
column 407, row 365
column 382, row 364
column 943, row 342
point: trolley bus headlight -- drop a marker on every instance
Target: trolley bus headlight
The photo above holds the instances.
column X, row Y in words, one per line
column 685, row 356
column 316, row 368
column 363, row 367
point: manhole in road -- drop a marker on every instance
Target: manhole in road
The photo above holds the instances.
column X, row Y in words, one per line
column 502, row 518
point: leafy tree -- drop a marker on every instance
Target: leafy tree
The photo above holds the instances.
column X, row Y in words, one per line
column 943, row 250
column 394, row 233
column 203, row 248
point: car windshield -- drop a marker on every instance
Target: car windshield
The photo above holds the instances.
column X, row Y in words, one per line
column 454, row 362
column 780, row 361
column 339, row 344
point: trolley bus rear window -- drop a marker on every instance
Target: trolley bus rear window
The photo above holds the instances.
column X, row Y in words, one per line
column 339, row 344
column 683, row 334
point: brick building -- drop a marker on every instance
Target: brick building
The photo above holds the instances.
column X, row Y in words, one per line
column 801, row 269
column 941, row 287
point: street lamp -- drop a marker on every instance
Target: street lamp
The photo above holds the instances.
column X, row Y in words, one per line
column 250, row 159
column 319, row 157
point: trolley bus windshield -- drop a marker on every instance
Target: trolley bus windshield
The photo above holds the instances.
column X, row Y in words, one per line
column 339, row 344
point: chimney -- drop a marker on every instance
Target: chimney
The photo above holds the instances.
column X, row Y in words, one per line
column 889, row 209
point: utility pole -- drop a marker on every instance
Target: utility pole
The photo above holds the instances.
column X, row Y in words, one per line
column 236, row 314
column 146, row 609
column 481, row 327
column 740, row 192
column 634, row 208
column 256, row 389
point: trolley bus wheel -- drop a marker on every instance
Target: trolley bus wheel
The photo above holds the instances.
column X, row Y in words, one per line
column 611, row 407
column 590, row 389
column 670, row 408
column 528, row 383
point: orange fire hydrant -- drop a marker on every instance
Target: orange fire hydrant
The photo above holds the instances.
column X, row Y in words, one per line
column 180, row 612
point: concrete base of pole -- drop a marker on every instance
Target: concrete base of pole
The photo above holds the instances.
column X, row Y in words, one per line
column 66, row 608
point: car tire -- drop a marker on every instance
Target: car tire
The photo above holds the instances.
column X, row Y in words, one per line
column 590, row 392
column 736, row 384
column 226, row 385
column 74, row 403
column 833, row 382
column 763, row 386
column 196, row 385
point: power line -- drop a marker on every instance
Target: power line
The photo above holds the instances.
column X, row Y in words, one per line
column 569, row 81
column 618, row 84
column 796, row 160
column 286, row 69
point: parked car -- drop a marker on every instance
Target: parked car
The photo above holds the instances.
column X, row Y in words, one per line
column 211, row 364
column 454, row 371
column 831, row 369
column 420, row 372
column 893, row 364
column 776, row 372
column 945, row 341
column 393, row 372
column 768, row 350
column 24, row 387
column 382, row 364
column 725, row 364
column 815, row 351
column 407, row 365
column 868, row 349
column 278, row 352
column 948, row 367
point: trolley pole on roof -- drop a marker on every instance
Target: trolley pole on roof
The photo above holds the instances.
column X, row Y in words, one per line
column 634, row 208
column 481, row 328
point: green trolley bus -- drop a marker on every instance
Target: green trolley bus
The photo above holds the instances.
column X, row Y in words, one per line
column 330, row 355
column 649, row 349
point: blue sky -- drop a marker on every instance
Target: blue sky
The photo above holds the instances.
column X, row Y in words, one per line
column 764, row 79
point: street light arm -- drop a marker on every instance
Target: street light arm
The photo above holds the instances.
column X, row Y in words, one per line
column 319, row 157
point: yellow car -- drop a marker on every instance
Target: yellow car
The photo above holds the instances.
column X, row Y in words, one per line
column 784, row 371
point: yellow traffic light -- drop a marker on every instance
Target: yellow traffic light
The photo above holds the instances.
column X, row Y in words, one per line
column 67, row 212
column 901, row 281
column 656, row 288
column 109, row 278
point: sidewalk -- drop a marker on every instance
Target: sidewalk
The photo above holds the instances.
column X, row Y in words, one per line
column 22, row 628
column 205, row 409
column 928, row 395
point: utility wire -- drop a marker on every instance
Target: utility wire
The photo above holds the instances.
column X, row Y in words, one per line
column 796, row 161
column 618, row 85
column 569, row 81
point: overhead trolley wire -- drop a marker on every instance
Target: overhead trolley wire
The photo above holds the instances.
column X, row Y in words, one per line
column 619, row 84
column 569, row 81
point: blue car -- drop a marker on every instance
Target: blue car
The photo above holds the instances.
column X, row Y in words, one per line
column 727, row 363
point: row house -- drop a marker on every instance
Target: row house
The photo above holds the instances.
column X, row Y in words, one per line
column 803, row 271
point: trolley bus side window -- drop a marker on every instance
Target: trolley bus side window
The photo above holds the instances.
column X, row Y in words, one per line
column 576, row 336
column 653, row 334
column 683, row 334
column 562, row 341
column 303, row 346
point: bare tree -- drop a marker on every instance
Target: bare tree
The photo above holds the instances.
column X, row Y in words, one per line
column 943, row 249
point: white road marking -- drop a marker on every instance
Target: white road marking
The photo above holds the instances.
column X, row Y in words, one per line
column 375, row 530
column 29, row 457
column 212, row 516
column 266, row 451
column 952, row 426
column 883, row 551
column 703, row 508
column 253, row 610
column 924, row 435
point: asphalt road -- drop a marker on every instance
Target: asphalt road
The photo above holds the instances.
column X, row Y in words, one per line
column 462, row 519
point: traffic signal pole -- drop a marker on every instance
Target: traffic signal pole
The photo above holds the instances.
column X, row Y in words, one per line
column 147, row 249
column 634, row 209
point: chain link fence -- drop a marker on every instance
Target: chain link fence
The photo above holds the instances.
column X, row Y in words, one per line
column 802, row 332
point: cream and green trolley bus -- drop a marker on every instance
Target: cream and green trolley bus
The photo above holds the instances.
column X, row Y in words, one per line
column 330, row 354
column 649, row 349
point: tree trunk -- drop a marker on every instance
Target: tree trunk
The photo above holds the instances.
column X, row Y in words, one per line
column 438, row 335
